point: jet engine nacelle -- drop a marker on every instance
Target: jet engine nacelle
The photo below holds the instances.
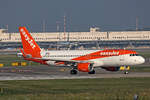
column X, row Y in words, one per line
column 111, row 68
column 84, row 67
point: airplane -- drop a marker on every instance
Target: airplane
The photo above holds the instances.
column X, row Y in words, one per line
column 78, row 60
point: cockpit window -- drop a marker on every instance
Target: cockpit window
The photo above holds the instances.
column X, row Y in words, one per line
column 134, row 54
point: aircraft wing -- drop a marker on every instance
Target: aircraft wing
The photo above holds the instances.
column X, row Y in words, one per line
column 60, row 60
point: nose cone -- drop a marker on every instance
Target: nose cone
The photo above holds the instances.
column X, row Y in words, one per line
column 141, row 60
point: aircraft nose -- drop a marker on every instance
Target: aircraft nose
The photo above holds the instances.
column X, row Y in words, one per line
column 141, row 60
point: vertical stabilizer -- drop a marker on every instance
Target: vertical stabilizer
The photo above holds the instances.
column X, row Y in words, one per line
column 30, row 47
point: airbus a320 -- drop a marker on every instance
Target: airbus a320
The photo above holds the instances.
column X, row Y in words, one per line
column 78, row 60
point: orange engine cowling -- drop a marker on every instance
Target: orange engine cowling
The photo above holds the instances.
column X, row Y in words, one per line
column 84, row 67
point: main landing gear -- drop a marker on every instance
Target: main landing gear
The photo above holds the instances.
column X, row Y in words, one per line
column 87, row 68
column 92, row 72
column 75, row 71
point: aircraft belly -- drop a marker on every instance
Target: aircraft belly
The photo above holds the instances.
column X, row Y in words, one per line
column 111, row 61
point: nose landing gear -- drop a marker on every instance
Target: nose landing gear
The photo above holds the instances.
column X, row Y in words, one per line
column 125, row 69
column 126, row 72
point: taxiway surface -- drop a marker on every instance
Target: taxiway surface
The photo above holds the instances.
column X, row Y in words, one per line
column 45, row 72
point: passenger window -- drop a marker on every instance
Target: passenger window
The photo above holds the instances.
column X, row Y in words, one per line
column 134, row 54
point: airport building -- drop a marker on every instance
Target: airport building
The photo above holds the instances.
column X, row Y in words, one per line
column 126, row 38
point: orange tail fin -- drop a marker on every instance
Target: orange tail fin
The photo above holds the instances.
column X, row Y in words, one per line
column 30, row 47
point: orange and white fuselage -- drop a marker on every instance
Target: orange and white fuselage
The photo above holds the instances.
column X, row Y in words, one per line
column 98, row 57
column 82, row 60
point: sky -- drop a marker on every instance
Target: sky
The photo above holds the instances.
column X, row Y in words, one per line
column 108, row 15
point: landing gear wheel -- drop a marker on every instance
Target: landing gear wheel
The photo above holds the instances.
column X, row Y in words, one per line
column 126, row 72
column 91, row 72
column 73, row 72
